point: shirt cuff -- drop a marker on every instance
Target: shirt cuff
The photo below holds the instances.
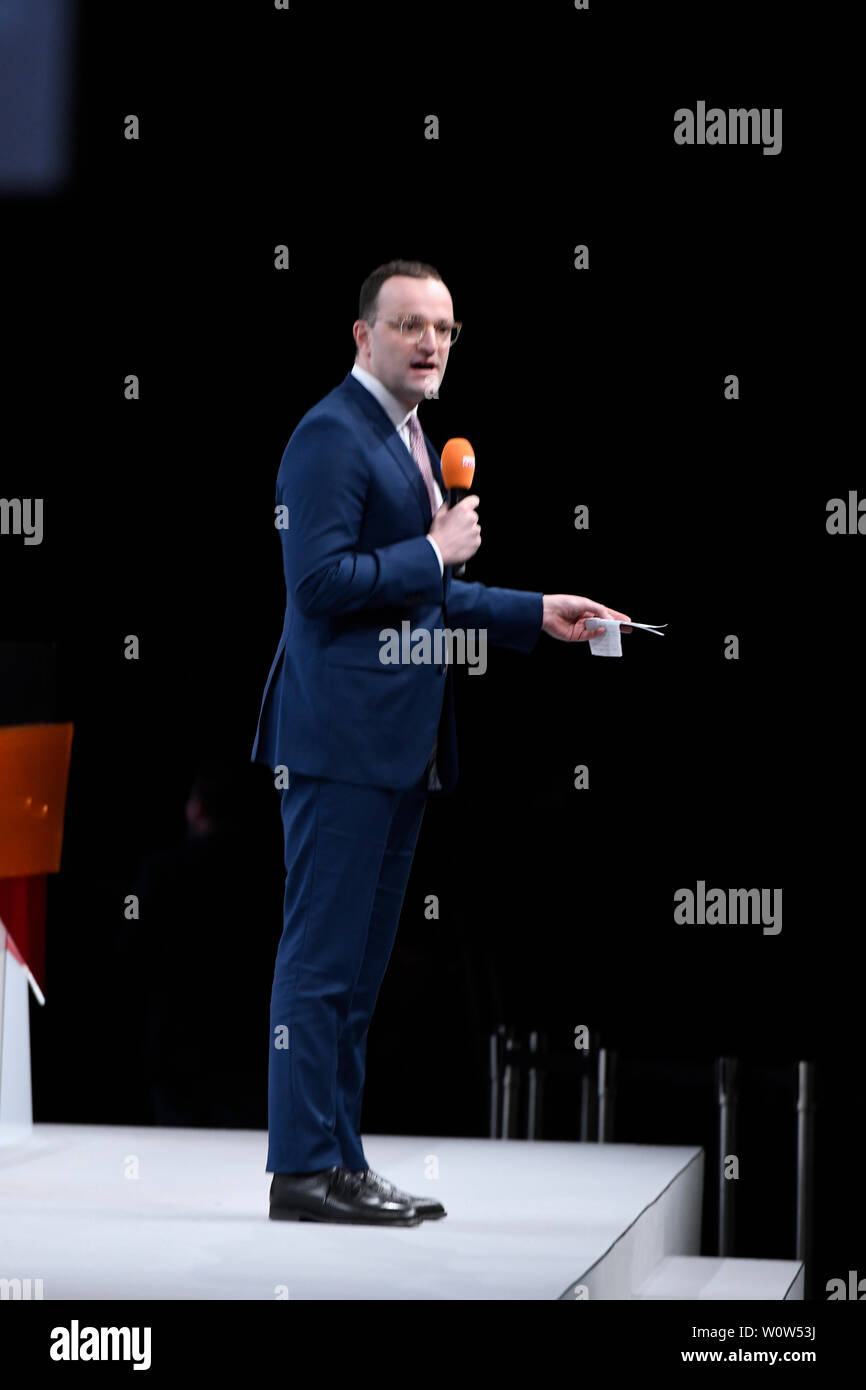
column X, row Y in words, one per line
column 438, row 554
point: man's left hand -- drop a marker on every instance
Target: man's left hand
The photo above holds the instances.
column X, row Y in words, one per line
column 564, row 616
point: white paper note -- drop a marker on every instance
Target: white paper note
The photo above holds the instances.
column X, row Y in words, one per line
column 610, row 643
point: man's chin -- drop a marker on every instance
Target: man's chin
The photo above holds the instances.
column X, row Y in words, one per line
column 426, row 383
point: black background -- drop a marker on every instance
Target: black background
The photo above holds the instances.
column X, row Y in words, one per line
column 602, row 388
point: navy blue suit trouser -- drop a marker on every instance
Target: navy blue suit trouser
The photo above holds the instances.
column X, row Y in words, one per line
column 349, row 850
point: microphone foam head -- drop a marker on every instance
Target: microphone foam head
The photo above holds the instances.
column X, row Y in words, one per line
column 458, row 463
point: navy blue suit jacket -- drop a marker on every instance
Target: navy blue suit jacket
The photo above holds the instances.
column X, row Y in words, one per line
column 356, row 561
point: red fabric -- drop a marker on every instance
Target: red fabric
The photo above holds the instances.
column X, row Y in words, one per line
column 22, row 910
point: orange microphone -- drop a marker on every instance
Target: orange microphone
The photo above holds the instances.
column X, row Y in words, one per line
column 458, row 470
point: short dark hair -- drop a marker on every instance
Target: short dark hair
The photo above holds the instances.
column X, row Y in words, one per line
column 369, row 298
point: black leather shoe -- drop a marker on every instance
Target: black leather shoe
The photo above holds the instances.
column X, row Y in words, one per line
column 426, row 1208
column 335, row 1194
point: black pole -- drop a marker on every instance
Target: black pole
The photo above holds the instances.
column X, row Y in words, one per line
column 584, row 1106
column 726, row 1075
column 495, row 1040
column 606, row 1094
column 510, row 1090
column 532, row 1094
column 805, row 1169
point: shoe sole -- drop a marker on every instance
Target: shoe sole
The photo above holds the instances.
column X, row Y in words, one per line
column 280, row 1214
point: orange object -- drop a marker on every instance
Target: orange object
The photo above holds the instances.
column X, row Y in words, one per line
column 34, row 771
column 458, row 463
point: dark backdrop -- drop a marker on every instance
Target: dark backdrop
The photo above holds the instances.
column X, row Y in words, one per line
column 602, row 388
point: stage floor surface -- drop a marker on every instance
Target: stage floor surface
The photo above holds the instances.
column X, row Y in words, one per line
column 114, row 1212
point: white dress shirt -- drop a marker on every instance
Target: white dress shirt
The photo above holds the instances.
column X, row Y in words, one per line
column 399, row 417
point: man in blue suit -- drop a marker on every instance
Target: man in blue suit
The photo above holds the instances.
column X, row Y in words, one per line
column 357, row 744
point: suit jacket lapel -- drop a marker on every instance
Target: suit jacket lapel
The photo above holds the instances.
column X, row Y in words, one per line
column 399, row 452
column 437, row 468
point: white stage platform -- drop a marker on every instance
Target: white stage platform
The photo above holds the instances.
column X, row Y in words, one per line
column 103, row 1212
column 699, row 1280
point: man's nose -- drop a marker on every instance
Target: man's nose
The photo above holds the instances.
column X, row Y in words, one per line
column 429, row 341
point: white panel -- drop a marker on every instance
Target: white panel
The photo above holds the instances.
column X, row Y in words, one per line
column 713, row 1278
column 16, row 1097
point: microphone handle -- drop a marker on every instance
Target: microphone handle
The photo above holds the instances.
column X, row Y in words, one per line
column 455, row 495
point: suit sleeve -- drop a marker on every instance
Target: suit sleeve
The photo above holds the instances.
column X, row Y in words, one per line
column 322, row 482
column 511, row 617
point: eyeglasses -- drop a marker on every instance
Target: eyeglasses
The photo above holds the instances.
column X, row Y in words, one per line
column 411, row 326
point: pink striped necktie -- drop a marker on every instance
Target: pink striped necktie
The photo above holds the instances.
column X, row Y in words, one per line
column 422, row 458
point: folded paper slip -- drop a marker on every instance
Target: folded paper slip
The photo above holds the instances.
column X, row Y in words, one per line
column 610, row 643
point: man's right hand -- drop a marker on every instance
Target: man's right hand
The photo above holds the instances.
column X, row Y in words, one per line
column 456, row 530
